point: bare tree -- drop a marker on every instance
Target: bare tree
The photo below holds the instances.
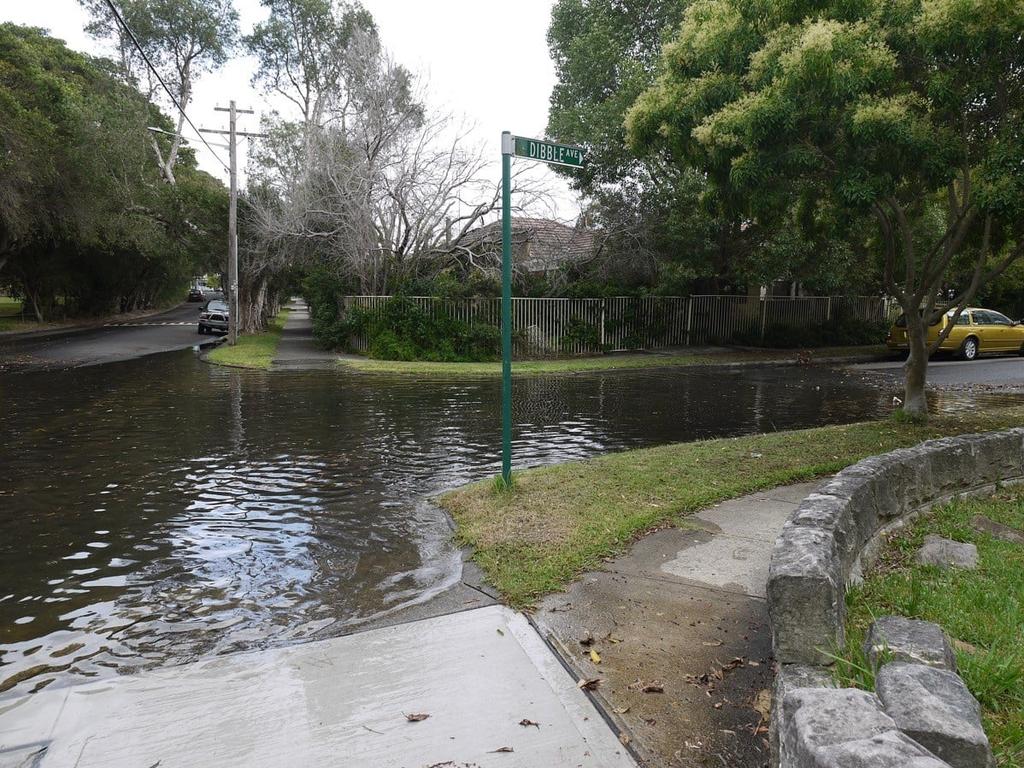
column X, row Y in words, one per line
column 381, row 187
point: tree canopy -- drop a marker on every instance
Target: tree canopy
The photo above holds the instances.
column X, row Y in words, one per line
column 910, row 113
column 86, row 223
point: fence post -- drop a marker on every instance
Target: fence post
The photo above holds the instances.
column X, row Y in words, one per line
column 604, row 301
column 764, row 316
column 689, row 317
column 828, row 310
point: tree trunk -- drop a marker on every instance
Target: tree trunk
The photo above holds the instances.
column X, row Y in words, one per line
column 914, row 401
column 35, row 305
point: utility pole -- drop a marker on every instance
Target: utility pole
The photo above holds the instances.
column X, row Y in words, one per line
column 233, row 134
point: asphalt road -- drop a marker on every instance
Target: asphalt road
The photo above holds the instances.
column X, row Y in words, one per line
column 1003, row 371
column 174, row 329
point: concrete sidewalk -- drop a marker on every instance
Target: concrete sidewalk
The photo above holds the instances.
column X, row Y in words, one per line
column 684, row 611
column 483, row 678
column 297, row 351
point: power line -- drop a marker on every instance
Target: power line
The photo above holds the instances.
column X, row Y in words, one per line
column 174, row 101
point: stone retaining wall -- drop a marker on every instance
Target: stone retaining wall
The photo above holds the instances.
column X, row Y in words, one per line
column 829, row 541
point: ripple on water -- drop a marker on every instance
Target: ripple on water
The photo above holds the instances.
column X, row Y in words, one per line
column 161, row 510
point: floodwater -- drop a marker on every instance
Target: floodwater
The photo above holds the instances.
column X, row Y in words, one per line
column 160, row 510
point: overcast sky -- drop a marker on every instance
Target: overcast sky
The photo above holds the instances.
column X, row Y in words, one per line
column 481, row 58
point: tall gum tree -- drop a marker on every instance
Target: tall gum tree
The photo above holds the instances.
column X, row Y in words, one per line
column 909, row 112
column 181, row 38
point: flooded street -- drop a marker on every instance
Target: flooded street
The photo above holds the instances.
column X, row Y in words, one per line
column 160, row 510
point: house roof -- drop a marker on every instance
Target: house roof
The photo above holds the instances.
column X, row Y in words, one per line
column 552, row 243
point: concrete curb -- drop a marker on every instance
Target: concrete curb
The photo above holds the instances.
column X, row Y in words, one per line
column 835, row 535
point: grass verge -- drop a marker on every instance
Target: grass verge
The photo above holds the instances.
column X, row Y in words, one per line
column 983, row 609
column 562, row 520
column 252, row 351
column 603, row 362
column 10, row 314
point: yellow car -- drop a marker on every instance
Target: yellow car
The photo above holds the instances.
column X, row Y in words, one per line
column 977, row 330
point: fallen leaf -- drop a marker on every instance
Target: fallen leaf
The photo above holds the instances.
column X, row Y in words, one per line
column 501, row 633
column 416, row 717
column 650, row 721
column 589, row 684
column 526, row 722
column 620, row 710
column 763, row 703
column 503, row 749
column 714, row 644
column 595, row 656
column 624, row 738
column 655, row 686
column 717, row 705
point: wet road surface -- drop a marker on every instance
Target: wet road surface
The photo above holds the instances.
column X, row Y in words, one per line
column 120, row 340
column 161, row 510
column 999, row 371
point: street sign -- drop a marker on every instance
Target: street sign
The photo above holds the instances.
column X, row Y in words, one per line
column 545, row 152
column 549, row 152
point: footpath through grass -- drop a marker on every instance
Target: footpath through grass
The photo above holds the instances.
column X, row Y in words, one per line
column 252, row 351
column 982, row 609
column 560, row 521
column 604, row 362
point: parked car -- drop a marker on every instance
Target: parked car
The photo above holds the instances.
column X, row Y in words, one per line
column 196, row 293
column 976, row 331
column 214, row 317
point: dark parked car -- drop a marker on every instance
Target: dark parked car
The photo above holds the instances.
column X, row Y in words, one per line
column 196, row 294
column 214, row 317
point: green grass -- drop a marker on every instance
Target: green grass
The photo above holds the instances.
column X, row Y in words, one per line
column 560, row 521
column 601, row 363
column 253, row 351
column 983, row 609
column 9, row 306
column 10, row 314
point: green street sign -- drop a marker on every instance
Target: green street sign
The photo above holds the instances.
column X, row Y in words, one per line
column 549, row 152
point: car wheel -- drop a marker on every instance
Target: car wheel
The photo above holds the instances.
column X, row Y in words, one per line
column 1021, row 350
column 202, row 330
column 969, row 349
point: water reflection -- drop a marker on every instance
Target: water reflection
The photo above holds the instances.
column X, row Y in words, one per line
column 160, row 510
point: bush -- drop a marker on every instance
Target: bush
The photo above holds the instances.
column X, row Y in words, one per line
column 834, row 333
column 400, row 330
column 579, row 331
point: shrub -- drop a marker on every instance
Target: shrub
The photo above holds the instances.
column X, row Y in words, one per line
column 400, row 330
column 834, row 333
column 579, row 331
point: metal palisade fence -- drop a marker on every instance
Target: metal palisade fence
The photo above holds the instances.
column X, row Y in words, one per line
column 551, row 326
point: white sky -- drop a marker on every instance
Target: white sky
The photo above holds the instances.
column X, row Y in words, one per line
column 461, row 47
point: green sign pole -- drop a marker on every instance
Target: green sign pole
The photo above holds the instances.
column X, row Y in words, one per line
column 507, row 150
column 546, row 152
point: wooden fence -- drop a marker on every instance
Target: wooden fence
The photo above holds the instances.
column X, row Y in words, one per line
column 548, row 326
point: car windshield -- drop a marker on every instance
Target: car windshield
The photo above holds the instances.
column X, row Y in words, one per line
column 217, row 306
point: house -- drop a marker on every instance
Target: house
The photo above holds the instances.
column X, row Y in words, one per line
column 539, row 246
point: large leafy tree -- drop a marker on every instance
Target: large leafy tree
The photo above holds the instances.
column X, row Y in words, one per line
column 182, row 39
column 908, row 112
column 313, row 54
column 85, row 224
column 664, row 222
